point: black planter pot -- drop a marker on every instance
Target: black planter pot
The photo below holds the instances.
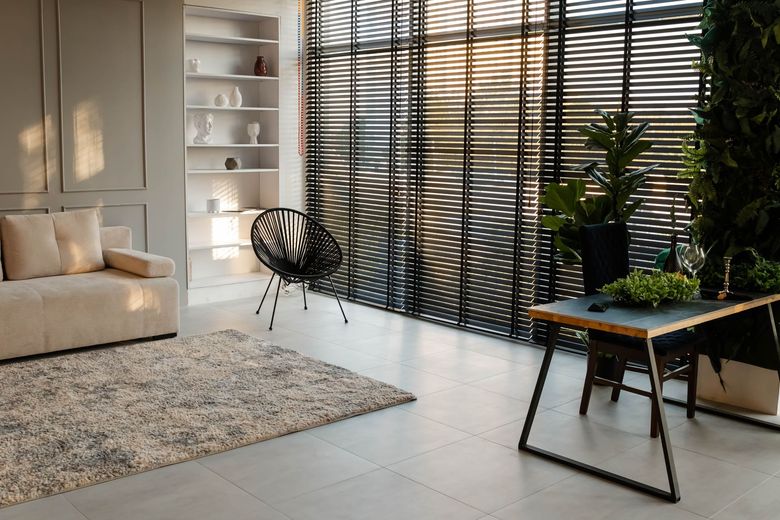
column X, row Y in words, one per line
column 606, row 368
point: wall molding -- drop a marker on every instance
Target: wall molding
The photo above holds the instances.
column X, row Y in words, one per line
column 144, row 158
column 119, row 205
column 44, row 111
column 39, row 208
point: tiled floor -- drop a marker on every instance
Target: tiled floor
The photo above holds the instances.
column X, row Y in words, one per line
column 449, row 455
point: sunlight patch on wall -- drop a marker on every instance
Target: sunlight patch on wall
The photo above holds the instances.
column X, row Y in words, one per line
column 88, row 159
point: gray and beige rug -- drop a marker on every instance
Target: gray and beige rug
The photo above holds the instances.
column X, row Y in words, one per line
column 89, row 416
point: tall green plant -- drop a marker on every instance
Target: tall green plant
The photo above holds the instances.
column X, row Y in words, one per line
column 733, row 160
column 622, row 143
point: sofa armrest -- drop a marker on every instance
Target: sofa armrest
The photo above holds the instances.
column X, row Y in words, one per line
column 112, row 237
column 139, row 263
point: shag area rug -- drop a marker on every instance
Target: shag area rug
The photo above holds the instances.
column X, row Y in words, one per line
column 84, row 417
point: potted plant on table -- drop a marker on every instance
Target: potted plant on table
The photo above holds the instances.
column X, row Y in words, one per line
column 572, row 207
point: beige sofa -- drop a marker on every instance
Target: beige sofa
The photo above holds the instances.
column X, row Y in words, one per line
column 66, row 283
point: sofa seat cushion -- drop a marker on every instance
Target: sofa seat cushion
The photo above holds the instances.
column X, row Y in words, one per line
column 21, row 310
column 89, row 309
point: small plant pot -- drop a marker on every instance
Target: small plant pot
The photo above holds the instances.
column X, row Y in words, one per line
column 606, row 368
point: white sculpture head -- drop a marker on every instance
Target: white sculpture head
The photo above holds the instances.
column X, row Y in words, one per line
column 204, row 124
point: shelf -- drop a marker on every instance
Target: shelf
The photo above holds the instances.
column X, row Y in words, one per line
column 233, row 109
column 261, row 145
column 237, row 171
column 227, row 14
column 236, row 40
column 229, row 280
column 204, row 214
column 206, row 247
column 233, row 77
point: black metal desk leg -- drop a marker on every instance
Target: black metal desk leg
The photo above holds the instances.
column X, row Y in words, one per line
column 658, row 408
column 673, row 495
column 773, row 324
column 552, row 338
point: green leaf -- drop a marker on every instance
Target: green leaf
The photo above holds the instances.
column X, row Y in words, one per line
column 553, row 222
column 564, row 198
column 632, row 153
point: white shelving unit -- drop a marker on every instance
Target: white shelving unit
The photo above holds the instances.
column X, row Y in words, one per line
column 221, row 262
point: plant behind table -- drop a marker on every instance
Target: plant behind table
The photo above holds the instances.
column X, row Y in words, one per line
column 572, row 208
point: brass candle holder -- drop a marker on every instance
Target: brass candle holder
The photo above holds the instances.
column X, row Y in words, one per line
column 722, row 295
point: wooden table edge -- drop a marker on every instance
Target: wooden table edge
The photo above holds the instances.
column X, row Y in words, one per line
column 538, row 313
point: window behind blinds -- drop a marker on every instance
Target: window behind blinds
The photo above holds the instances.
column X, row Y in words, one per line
column 433, row 127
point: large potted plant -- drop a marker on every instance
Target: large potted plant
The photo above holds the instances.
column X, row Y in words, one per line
column 572, row 208
column 733, row 163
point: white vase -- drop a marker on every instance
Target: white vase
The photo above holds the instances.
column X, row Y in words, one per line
column 253, row 129
column 235, row 98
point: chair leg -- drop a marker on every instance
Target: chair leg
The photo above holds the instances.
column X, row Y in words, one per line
column 265, row 293
column 693, row 377
column 654, row 419
column 303, row 286
column 587, row 388
column 271, row 327
column 621, row 372
column 337, row 299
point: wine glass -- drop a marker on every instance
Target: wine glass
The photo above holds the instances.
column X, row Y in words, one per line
column 693, row 258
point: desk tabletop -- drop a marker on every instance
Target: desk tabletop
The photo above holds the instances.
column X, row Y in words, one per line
column 642, row 322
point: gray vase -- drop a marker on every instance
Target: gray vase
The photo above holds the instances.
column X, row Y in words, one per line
column 233, row 163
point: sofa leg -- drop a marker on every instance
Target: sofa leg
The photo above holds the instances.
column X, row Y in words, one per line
column 164, row 336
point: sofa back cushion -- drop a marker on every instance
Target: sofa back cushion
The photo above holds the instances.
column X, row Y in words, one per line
column 30, row 247
column 78, row 241
column 49, row 245
column 1, row 260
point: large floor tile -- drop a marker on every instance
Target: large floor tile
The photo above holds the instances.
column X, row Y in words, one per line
column 630, row 414
column 338, row 332
column 739, row 443
column 480, row 473
column 56, row 507
column 707, row 485
column 379, row 495
column 388, row 436
column 574, row 437
column 468, row 408
column 202, row 319
column 762, row 503
column 410, row 379
column 398, row 346
column 511, row 350
column 185, row 491
column 285, row 467
column 583, row 497
column 520, row 383
column 462, row 365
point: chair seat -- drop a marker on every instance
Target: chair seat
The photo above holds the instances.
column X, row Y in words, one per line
column 679, row 342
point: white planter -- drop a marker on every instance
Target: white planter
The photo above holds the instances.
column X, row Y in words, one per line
column 747, row 386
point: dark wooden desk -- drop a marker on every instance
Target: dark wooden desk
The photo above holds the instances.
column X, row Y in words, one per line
column 644, row 323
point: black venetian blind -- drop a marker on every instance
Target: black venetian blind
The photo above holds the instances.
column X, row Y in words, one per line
column 433, row 127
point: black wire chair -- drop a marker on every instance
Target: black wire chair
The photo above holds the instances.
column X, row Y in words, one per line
column 297, row 249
